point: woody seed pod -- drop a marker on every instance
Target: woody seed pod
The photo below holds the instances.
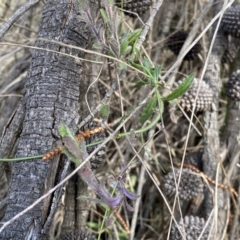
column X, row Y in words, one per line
column 191, row 185
column 176, row 41
column 204, row 97
column 233, row 86
column 78, row 235
column 231, row 21
column 229, row 54
column 191, row 227
column 137, row 6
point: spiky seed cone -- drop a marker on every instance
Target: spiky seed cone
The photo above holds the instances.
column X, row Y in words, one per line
column 195, row 159
column 231, row 21
column 98, row 158
column 229, row 54
column 204, row 98
column 176, row 41
column 78, row 235
column 191, row 185
column 233, row 86
column 135, row 6
column 191, row 227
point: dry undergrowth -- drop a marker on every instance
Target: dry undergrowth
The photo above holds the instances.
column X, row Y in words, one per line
column 154, row 153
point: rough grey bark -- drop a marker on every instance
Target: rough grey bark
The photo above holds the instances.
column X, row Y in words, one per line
column 211, row 155
column 51, row 97
column 7, row 104
column 231, row 139
column 70, row 206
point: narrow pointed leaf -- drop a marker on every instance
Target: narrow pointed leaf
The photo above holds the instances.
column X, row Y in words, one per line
column 72, row 147
column 129, row 207
column 89, row 178
column 127, row 50
column 130, row 195
column 124, row 46
column 104, row 112
column 104, row 16
column 135, row 35
column 181, row 89
column 138, row 66
column 156, row 73
column 113, row 201
column 148, row 110
column 112, row 183
column 141, row 83
column 147, row 64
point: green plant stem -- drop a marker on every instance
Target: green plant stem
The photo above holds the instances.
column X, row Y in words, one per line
column 20, row 159
column 106, row 212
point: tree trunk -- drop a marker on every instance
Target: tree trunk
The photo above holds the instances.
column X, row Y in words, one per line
column 51, row 97
column 211, row 156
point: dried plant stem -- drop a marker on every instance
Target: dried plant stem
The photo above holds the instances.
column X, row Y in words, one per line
column 148, row 24
column 16, row 16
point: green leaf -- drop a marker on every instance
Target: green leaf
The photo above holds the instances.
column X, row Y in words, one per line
column 148, row 110
column 156, row 72
column 160, row 105
column 104, row 111
column 104, row 16
column 138, row 66
column 141, row 83
column 65, row 131
column 134, row 36
column 128, row 50
column 181, row 89
column 123, row 65
column 147, row 64
column 124, row 46
column 148, row 67
column 93, row 225
column 136, row 53
column 72, row 149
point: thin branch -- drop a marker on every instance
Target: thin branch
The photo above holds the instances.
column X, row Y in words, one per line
column 5, row 27
column 148, row 24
